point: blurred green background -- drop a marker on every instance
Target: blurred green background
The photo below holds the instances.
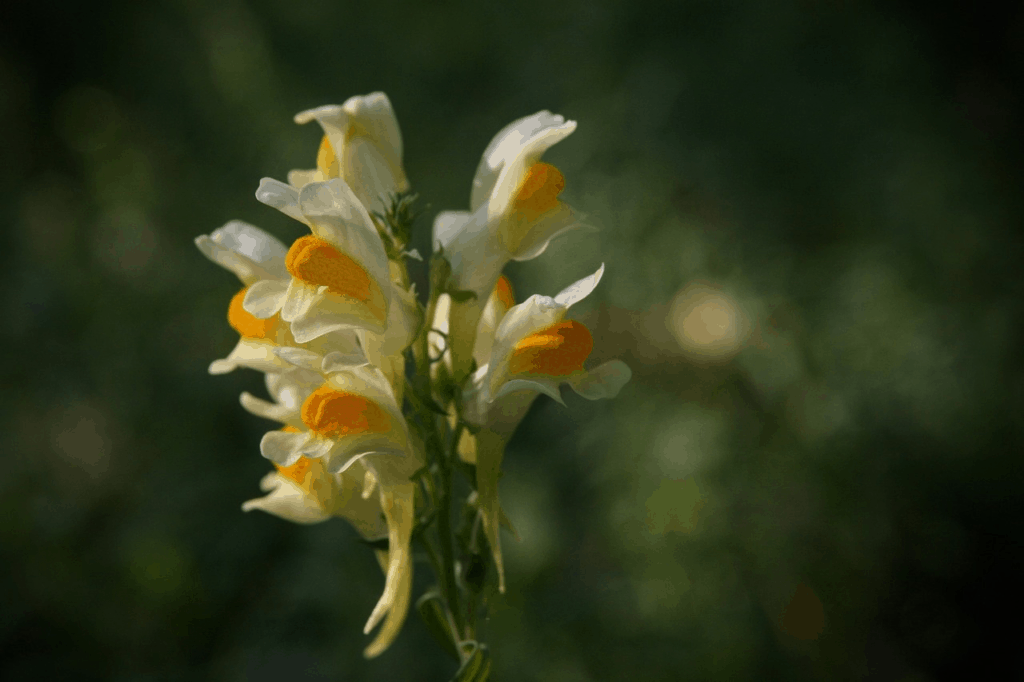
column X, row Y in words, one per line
column 810, row 216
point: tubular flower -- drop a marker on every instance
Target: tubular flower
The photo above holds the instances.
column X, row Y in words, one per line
column 253, row 256
column 535, row 350
column 514, row 214
column 306, row 493
column 351, row 424
column 362, row 145
column 498, row 303
column 338, row 275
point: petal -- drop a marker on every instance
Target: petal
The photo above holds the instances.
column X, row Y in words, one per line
column 333, row 313
column 300, row 357
column 602, row 382
column 284, row 414
column 339, row 361
column 490, row 451
column 370, row 383
column 510, row 142
column 255, row 244
column 250, row 353
column 447, row 224
column 288, row 502
column 280, row 196
column 577, row 291
column 398, row 510
column 542, row 384
column 282, row 447
column 265, row 298
column 298, row 178
column 243, row 268
column 546, row 230
column 337, row 216
column 299, row 299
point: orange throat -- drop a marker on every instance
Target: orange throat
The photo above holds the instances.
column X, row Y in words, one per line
column 558, row 350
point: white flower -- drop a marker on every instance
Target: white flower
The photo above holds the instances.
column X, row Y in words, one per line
column 338, row 275
column 514, row 214
column 362, row 145
column 253, row 256
column 535, row 349
column 306, row 493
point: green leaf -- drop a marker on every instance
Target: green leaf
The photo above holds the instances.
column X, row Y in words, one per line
column 432, row 611
column 477, row 666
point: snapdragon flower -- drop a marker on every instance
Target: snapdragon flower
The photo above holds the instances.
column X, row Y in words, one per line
column 535, row 350
column 362, row 145
column 331, row 319
column 514, row 214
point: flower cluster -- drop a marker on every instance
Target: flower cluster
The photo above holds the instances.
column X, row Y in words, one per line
column 379, row 399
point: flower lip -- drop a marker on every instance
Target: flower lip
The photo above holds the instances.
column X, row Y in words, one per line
column 559, row 350
column 247, row 324
column 335, row 414
column 314, row 260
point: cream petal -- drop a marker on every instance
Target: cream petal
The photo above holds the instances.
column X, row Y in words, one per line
column 285, row 414
column 542, row 384
column 398, row 508
column 265, row 298
column 250, row 353
column 547, row 229
column 288, row 502
column 297, row 178
column 370, row 383
column 243, row 268
column 337, row 216
column 300, row 357
column 577, row 291
column 510, row 142
column 257, row 245
column 316, row 446
column 370, row 174
column 283, row 447
column 221, row 367
column 339, row 361
column 518, row 162
column 334, row 313
column 280, row 196
column 299, row 299
column 448, row 224
column 601, row 382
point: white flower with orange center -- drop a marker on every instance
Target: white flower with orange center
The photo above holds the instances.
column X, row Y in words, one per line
column 514, row 214
column 362, row 145
column 253, row 256
column 338, row 275
column 306, row 493
column 535, row 350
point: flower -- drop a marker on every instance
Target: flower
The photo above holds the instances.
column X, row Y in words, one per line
column 350, row 424
column 362, row 145
column 535, row 350
column 514, row 214
column 253, row 256
column 338, row 275
column 306, row 493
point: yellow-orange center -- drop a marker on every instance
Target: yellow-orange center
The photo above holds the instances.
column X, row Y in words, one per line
column 558, row 350
column 539, row 191
column 334, row 414
column 313, row 260
column 247, row 324
column 326, row 161
column 504, row 292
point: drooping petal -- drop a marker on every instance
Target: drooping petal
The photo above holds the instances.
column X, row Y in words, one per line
column 283, row 447
column 288, row 501
column 398, row 506
column 283, row 197
column 531, row 135
column 265, row 298
column 602, row 382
